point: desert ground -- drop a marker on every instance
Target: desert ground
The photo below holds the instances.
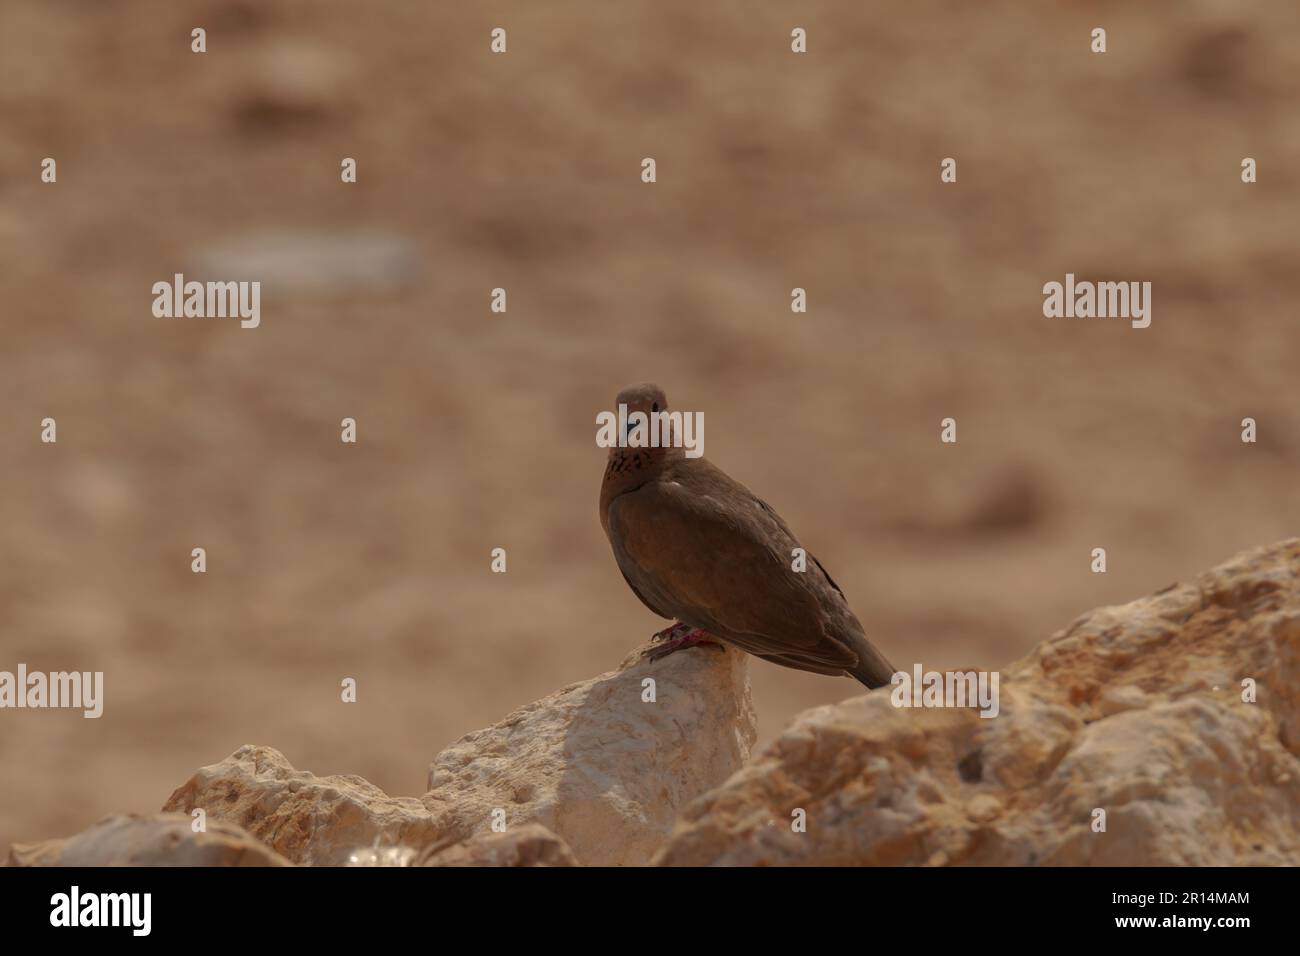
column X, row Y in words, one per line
column 476, row 430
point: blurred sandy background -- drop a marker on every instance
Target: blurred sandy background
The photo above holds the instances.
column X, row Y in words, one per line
column 477, row 430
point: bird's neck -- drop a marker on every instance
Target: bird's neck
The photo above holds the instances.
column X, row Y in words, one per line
column 630, row 468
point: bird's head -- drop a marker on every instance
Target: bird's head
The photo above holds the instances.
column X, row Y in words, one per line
column 632, row 463
column 646, row 397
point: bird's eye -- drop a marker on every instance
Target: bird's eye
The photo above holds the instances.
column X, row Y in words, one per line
column 654, row 407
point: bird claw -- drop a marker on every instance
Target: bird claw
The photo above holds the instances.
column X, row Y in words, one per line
column 676, row 630
column 693, row 637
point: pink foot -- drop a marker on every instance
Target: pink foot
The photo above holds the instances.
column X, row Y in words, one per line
column 677, row 630
column 682, row 636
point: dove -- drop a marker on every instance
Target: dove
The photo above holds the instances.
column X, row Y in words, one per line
column 699, row 548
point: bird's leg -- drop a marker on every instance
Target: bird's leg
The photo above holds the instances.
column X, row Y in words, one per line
column 693, row 637
column 676, row 630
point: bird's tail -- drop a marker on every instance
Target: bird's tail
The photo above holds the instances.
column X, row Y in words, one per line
column 872, row 670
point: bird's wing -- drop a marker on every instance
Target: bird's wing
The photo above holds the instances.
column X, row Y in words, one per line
column 635, row 590
column 708, row 552
column 786, row 528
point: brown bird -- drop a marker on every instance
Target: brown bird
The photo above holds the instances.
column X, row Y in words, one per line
column 700, row 548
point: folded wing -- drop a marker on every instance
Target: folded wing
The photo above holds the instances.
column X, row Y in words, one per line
column 705, row 551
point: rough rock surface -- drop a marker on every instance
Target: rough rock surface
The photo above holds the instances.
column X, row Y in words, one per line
column 308, row 819
column 603, row 769
column 528, row 845
column 1136, row 710
column 599, row 767
column 165, row 840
